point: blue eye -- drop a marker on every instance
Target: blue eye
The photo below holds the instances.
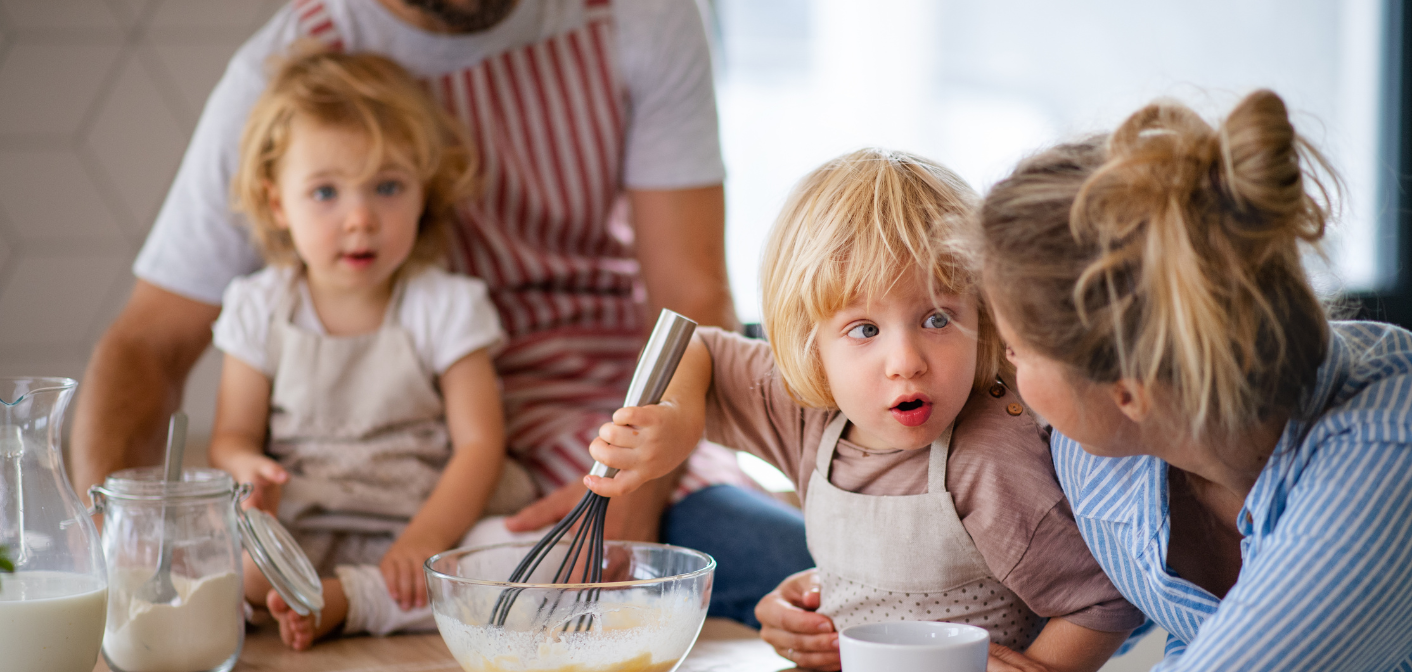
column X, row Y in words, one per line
column 389, row 188
column 323, row 193
column 863, row 331
column 937, row 321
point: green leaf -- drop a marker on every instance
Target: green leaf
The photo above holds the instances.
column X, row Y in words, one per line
column 5, row 564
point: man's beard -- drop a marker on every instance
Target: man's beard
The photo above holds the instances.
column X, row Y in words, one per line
column 481, row 15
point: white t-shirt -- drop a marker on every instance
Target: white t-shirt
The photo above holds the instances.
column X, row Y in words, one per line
column 198, row 245
column 448, row 316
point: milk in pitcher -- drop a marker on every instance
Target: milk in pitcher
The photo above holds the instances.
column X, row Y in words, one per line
column 51, row 621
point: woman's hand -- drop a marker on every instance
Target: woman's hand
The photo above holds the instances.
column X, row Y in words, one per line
column 1003, row 659
column 788, row 623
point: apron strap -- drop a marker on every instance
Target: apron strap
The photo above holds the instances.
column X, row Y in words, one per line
column 828, row 443
column 394, row 302
column 282, row 317
column 298, row 287
column 936, row 464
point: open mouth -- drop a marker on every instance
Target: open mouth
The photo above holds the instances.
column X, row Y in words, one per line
column 912, row 412
column 910, row 405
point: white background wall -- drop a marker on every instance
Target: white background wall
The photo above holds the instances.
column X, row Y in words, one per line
column 977, row 85
column 97, row 101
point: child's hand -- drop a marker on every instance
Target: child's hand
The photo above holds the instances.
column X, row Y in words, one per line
column 789, row 623
column 644, row 443
column 402, row 570
column 265, row 474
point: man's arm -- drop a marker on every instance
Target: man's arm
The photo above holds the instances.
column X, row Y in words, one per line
column 681, row 246
column 134, row 382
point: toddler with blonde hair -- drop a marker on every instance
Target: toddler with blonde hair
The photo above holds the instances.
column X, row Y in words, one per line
column 358, row 393
column 928, row 490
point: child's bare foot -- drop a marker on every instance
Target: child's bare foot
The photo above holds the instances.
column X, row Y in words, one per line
column 300, row 632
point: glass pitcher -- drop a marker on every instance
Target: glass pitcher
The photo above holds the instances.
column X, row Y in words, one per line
column 52, row 608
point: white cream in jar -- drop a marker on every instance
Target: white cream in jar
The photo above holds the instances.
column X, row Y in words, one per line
column 198, row 631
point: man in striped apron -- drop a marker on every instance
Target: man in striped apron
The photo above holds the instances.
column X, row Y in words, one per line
column 600, row 163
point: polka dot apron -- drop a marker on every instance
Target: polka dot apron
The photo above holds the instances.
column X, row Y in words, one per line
column 904, row 558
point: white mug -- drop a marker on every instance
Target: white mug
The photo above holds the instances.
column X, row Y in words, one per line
column 914, row 646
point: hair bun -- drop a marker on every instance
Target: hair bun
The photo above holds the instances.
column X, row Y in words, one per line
column 1258, row 168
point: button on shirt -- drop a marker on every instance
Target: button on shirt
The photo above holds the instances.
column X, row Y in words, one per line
column 1326, row 576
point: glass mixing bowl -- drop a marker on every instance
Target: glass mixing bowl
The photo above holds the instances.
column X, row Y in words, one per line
column 643, row 617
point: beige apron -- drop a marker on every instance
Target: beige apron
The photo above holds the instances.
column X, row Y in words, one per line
column 358, row 423
column 904, row 558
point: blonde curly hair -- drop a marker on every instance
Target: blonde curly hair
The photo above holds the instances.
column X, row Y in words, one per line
column 851, row 229
column 376, row 97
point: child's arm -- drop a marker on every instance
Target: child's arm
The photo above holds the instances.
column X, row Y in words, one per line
column 477, row 426
column 648, row 442
column 238, row 437
column 1061, row 646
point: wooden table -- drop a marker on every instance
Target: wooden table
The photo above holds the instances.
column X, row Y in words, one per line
column 723, row 646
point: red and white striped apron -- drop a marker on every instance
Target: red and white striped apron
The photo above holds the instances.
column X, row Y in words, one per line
column 549, row 238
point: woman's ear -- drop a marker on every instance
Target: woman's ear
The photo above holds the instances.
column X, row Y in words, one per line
column 276, row 205
column 1132, row 399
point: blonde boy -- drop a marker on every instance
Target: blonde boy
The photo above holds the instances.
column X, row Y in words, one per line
column 928, row 490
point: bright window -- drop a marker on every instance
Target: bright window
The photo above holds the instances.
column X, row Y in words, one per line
column 977, row 85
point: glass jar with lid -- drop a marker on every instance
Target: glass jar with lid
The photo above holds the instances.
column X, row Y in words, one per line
column 203, row 627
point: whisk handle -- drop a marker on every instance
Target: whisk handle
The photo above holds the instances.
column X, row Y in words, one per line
column 655, row 367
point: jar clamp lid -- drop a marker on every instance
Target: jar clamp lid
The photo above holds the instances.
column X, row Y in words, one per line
column 281, row 560
column 271, row 546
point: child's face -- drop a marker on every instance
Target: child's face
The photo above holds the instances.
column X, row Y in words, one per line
column 900, row 367
column 351, row 230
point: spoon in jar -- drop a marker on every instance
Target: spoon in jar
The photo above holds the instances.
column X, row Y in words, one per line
column 159, row 588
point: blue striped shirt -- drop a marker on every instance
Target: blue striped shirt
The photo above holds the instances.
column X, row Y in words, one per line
column 1326, row 574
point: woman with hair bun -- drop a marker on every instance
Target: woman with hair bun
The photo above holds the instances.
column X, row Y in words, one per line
column 1240, row 465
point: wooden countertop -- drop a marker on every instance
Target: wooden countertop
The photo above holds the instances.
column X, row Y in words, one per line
column 723, row 646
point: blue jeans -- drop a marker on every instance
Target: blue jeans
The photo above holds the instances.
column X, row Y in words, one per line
column 756, row 541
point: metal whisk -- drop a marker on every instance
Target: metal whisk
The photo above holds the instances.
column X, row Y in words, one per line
column 655, row 368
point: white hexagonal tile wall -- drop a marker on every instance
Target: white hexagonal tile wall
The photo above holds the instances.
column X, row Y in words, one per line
column 269, row 9
column 138, row 142
column 52, row 299
column 47, row 196
column 195, row 66
column 114, row 302
column 130, row 10
column 4, row 252
column 49, row 86
column 85, row 14
column 47, row 364
column 237, row 14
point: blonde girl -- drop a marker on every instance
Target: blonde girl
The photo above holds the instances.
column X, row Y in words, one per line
column 1240, row 465
column 357, row 393
column 928, row 491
